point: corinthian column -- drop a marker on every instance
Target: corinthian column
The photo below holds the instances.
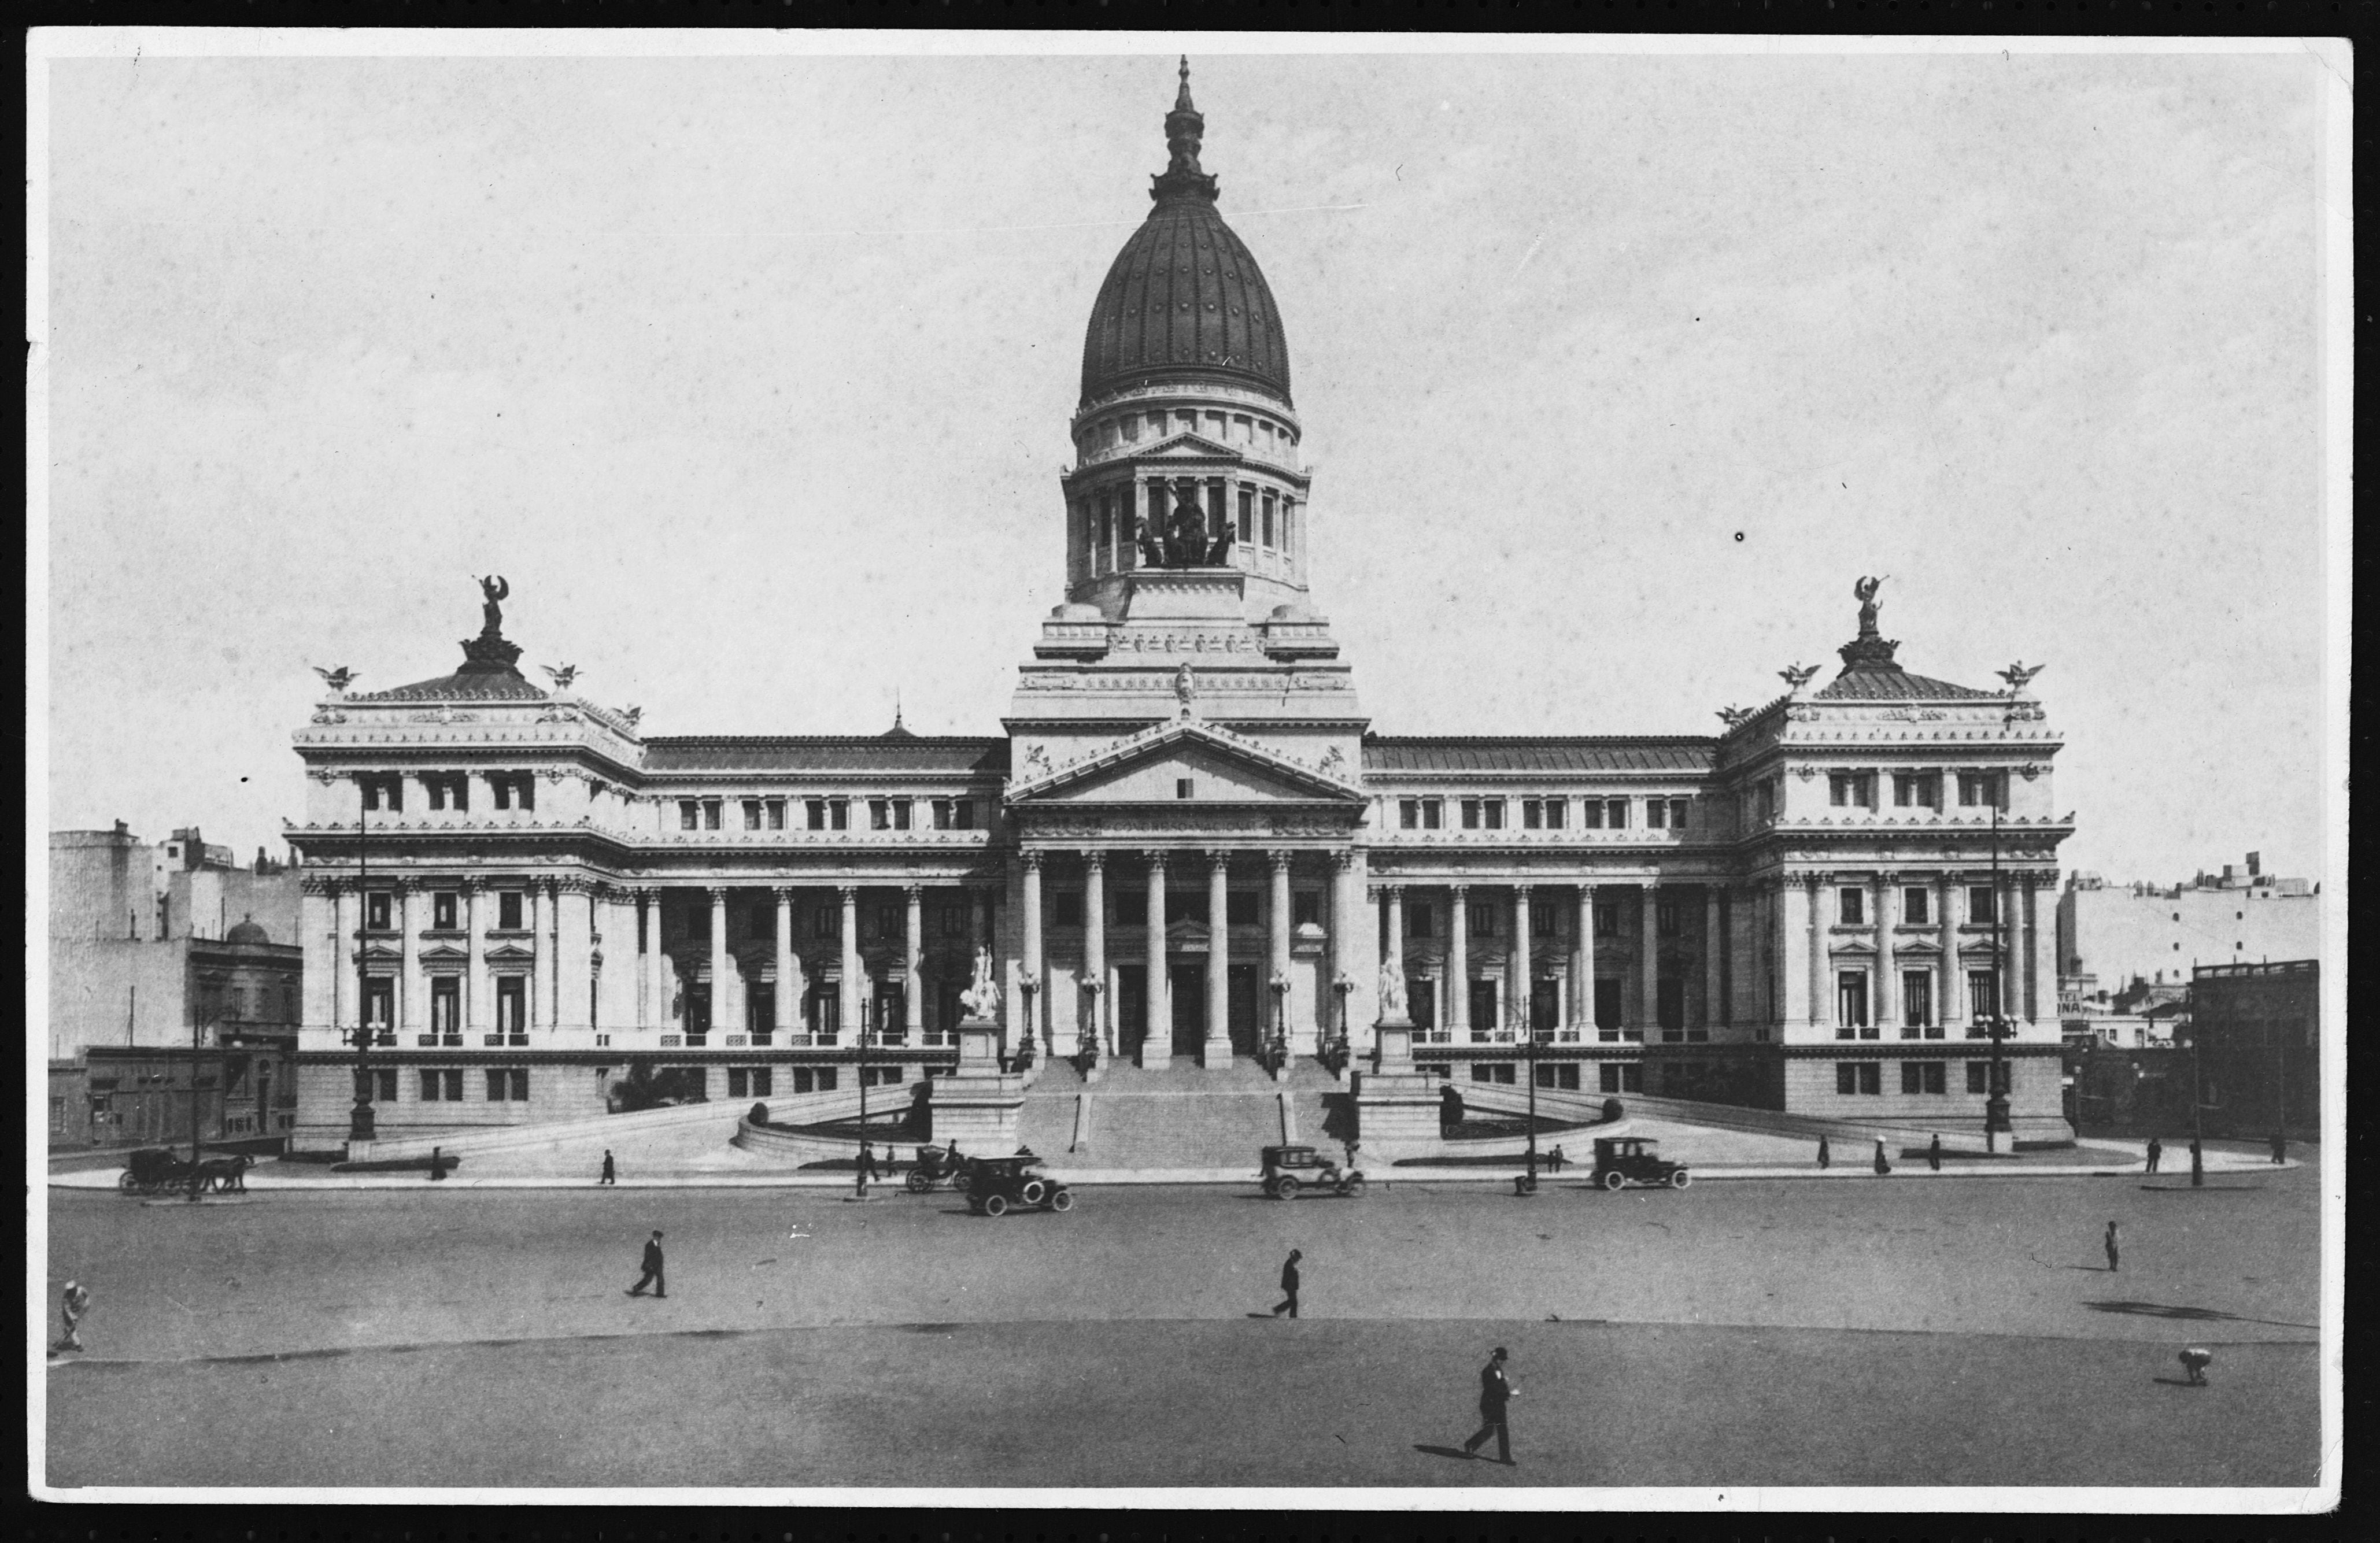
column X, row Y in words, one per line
column 412, row 992
column 1219, row 956
column 1157, row 1040
column 850, row 1005
column 1458, row 963
column 1517, row 1016
column 723, row 964
column 788, row 998
column 913, row 995
column 1095, row 948
column 1279, row 983
column 479, row 1012
column 1582, row 965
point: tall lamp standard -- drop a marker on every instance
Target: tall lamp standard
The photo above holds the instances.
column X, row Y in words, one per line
column 1529, row 1054
column 1995, row 1024
column 359, row 1118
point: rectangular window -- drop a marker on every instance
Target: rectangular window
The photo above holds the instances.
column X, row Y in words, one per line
column 508, row 1085
column 1533, row 814
column 1185, row 787
column 1917, row 790
column 1665, row 920
column 1240, row 909
column 838, row 814
column 962, row 814
column 1982, row 789
column 1859, row 1077
column 1913, row 1076
column 1591, row 814
column 710, row 814
column 433, row 1087
column 1764, row 800
column 1619, row 1077
column 1433, row 814
column 512, row 1004
column 1933, row 1077
column 1979, row 905
column 1852, row 907
column 508, row 911
column 1608, row 1003
column 1979, row 1076
column 1615, row 813
column 1656, row 813
column 380, row 1002
column 1306, row 906
column 1983, row 995
column 445, row 1004
column 1482, row 915
column 879, row 814
column 1850, row 1004
column 1409, row 814
column 1916, row 999
column 751, row 814
column 891, row 922
column 1185, row 906
column 1914, row 906
column 1471, row 814
column 690, row 815
column 823, row 922
column 1541, row 921
column 1607, row 921
column 1492, row 813
column 1496, row 1072
column 739, row 1083
column 1669, row 994
column 776, row 812
column 954, row 918
column 1132, row 908
column 376, row 911
column 813, row 814
column 1248, row 522
column 1267, row 514
column 1419, row 920
column 500, row 790
column 1677, row 814
column 1067, row 908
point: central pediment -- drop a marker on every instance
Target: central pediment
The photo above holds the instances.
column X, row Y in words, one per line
column 1153, row 767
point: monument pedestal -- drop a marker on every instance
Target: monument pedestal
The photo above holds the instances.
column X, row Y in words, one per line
column 979, row 1106
column 1396, row 1103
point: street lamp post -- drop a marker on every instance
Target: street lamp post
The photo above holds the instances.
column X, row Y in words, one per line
column 1996, row 1023
column 359, row 1118
column 1529, row 1040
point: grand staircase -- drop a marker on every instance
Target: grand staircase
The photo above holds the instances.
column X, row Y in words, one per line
column 1181, row 1118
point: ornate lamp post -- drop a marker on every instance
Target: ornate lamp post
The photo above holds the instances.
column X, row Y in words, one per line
column 1343, row 1047
column 1028, row 986
column 1995, row 1025
column 359, row 1118
column 1529, row 1055
column 1277, row 1047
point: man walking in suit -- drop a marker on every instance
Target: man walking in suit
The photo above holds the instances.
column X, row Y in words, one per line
column 2115, row 1255
column 654, row 1275
column 1494, row 1394
column 2156, row 1151
column 610, row 1174
column 1288, row 1284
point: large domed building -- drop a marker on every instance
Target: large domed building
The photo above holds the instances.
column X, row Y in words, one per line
column 1187, row 856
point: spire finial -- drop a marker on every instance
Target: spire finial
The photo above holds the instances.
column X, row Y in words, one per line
column 896, row 707
column 1184, row 131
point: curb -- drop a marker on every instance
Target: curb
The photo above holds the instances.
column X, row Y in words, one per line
column 1206, row 1176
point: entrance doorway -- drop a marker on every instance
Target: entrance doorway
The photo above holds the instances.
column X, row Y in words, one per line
column 1247, row 1017
column 1545, row 1006
column 1131, row 1009
column 1484, row 1020
column 1189, row 984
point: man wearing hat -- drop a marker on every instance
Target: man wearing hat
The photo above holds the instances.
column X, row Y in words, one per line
column 1494, row 1394
column 72, row 1305
column 654, row 1275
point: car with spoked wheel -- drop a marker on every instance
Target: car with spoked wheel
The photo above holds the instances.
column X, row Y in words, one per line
column 994, row 1186
column 1286, row 1169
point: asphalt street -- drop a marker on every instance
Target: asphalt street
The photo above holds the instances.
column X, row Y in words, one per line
column 1751, row 1333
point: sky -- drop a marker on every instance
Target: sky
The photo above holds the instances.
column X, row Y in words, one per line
column 752, row 376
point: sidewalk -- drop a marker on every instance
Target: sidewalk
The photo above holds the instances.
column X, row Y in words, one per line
column 1848, row 1171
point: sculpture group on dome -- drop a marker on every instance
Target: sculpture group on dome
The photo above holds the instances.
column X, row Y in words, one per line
column 1183, row 541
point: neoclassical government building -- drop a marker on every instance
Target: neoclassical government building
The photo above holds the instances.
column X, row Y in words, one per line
column 1188, row 845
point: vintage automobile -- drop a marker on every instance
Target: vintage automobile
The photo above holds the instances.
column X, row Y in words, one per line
column 994, row 1186
column 1288, row 1170
column 934, row 1165
column 1620, row 1161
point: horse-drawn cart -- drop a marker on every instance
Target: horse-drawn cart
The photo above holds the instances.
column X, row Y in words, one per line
column 161, row 1171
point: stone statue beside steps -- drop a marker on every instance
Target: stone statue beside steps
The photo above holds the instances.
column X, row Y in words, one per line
column 982, row 999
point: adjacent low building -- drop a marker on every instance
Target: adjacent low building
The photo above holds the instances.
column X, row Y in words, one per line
column 155, row 1003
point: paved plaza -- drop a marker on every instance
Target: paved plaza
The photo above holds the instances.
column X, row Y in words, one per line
column 1751, row 1333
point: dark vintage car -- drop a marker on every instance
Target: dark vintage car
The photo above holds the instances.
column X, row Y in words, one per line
column 1288, row 1170
column 936, row 1165
column 994, row 1186
column 1620, row 1161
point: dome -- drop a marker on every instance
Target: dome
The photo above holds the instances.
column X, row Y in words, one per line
column 245, row 930
column 1184, row 300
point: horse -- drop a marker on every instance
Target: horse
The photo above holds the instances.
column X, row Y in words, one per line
column 226, row 1174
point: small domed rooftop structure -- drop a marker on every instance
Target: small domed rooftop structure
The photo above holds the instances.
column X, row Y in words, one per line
column 245, row 930
column 1185, row 300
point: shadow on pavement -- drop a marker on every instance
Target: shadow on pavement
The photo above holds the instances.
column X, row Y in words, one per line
column 2208, row 1315
column 1455, row 1453
column 2176, row 1382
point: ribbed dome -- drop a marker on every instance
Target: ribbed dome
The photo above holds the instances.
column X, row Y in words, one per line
column 245, row 930
column 1184, row 298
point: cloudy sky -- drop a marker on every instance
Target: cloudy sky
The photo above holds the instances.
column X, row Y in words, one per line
column 753, row 375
